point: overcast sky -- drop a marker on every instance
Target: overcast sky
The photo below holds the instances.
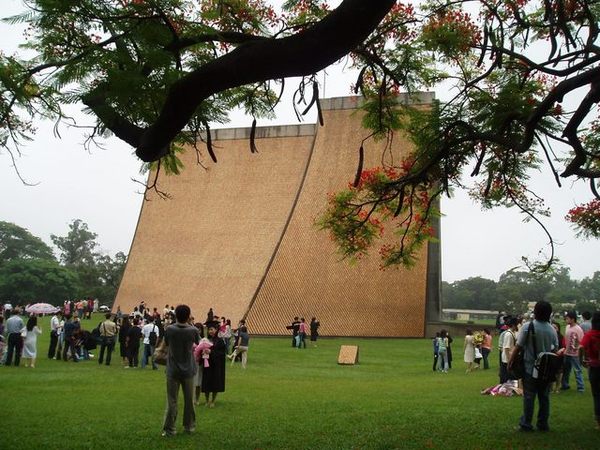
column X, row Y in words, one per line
column 96, row 187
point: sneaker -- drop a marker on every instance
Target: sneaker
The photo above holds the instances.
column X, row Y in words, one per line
column 165, row 434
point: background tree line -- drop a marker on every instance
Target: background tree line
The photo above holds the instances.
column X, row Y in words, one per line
column 515, row 289
column 30, row 271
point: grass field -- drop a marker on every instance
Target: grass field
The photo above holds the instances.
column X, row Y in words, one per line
column 285, row 399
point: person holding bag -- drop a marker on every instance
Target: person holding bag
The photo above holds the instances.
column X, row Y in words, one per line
column 536, row 336
column 181, row 368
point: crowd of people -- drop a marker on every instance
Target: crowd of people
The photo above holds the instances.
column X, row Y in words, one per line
column 548, row 358
column 196, row 351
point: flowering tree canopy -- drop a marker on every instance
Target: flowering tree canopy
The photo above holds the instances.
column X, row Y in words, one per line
column 524, row 77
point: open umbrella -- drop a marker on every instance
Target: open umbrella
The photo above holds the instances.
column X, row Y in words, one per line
column 42, row 308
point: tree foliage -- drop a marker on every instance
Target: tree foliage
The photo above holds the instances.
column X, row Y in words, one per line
column 18, row 243
column 515, row 289
column 522, row 77
column 77, row 248
column 29, row 272
column 36, row 280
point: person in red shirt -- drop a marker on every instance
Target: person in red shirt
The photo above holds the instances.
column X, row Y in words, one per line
column 591, row 350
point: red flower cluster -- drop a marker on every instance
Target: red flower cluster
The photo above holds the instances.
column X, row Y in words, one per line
column 451, row 30
column 586, row 218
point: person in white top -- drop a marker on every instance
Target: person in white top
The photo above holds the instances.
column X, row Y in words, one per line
column 31, row 331
column 151, row 334
column 54, row 329
column 508, row 344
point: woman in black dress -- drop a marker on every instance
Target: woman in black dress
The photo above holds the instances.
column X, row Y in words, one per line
column 123, row 330
column 213, row 376
column 133, row 343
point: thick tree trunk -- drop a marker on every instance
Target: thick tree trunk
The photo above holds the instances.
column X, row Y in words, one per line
column 301, row 54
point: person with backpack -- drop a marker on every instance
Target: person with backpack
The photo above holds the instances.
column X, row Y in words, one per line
column 181, row 368
column 591, row 359
column 536, row 337
column 151, row 334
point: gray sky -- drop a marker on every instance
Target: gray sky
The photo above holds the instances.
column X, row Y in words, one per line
column 96, row 187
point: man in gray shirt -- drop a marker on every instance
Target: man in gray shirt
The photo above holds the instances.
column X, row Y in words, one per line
column 14, row 325
column 181, row 368
column 543, row 337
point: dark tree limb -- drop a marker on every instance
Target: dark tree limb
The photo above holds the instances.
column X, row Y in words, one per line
column 304, row 53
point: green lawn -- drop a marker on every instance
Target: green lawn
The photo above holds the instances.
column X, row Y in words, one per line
column 285, row 399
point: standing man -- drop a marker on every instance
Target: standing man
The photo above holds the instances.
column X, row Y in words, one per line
column 181, row 368
column 542, row 338
column 295, row 326
column 13, row 326
column 108, row 333
column 509, row 340
column 241, row 344
column 151, row 333
column 573, row 337
column 54, row 330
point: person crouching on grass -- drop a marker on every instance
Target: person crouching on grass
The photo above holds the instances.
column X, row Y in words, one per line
column 181, row 368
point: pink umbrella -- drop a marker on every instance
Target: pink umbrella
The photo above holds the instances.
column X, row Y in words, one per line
column 42, row 308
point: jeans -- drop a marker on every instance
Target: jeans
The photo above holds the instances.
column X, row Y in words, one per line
column 15, row 345
column 594, row 376
column 443, row 355
column 108, row 345
column 189, row 415
column 485, row 353
column 572, row 362
column 148, row 352
column 532, row 388
column 302, row 340
column 435, row 361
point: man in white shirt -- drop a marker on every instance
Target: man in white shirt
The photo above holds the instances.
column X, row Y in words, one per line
column 54, row 326
column 508, row 344
column 151, row 333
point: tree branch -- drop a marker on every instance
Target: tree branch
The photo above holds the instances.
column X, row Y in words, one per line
column 303, row 53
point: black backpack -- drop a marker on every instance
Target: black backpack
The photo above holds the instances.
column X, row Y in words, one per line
column 153, row 337
column 546, row 365
column 96, row 334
